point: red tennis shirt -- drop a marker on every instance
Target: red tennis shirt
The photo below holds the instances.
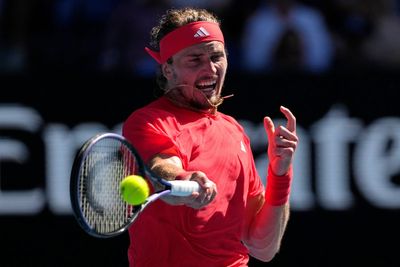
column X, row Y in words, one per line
column 217, row 145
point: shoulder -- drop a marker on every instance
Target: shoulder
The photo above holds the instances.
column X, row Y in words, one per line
column 228, row 118
column 152, row 112
column 232, row 121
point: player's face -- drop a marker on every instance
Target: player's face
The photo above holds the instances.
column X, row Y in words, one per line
column 201, row 68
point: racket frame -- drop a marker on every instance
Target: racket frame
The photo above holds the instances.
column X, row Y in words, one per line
column 142, row 170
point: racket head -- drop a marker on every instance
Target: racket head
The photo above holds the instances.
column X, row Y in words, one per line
column 100, row 165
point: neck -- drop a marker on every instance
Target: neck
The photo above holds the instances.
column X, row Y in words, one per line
column 180, row 99
column 176, row 97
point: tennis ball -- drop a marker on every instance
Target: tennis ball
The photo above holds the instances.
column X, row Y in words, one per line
column 134, row 189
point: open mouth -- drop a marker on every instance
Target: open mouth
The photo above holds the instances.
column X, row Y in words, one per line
column 207, row 87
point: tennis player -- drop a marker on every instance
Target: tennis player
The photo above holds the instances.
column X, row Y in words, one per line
column 182, row 135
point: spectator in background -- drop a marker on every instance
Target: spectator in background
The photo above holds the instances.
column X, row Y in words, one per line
column 382, row 46
column 78, row 31
column 14, row 34
column 127, row 32
column 216, row 6
column 351, row 24
column 284, row 34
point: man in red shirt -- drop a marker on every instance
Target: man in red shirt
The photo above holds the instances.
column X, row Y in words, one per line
column 182, row 135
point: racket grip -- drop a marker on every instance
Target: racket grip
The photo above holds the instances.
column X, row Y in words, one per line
column 183, row 188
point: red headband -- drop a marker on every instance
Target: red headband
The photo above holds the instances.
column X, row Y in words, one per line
column 185, row 36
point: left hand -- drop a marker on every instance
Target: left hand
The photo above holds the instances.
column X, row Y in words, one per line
column 282, row 142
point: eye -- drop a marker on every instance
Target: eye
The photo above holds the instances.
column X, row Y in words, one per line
column 193, row 61
column 217, row 57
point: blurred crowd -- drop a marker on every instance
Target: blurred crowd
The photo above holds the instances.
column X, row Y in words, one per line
column 262, row 36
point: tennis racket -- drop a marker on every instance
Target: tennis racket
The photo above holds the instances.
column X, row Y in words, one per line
column 100, row 165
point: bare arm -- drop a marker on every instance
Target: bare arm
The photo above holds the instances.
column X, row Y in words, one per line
column 264, row 229
column 267, row 216
column 170, row 168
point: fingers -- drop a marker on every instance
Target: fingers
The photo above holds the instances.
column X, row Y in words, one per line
column 282, row 142
column 291, row 119
column 282, row 136
column 269, row 127
column 290, row 126
column 206, row 194
column 283, row 133
column 209, row 192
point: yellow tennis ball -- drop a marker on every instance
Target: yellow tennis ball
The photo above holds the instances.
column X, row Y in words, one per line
column 134, row 189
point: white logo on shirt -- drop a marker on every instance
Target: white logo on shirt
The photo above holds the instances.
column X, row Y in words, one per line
column 242, row 147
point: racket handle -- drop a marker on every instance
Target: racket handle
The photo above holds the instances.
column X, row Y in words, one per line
column 184, row 188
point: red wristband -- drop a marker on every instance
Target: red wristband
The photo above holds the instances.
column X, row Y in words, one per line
column 278, row 187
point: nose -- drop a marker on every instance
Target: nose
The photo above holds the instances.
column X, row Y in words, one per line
column 210, row 66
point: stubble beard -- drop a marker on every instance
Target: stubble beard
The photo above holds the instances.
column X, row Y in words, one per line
column 176, row 95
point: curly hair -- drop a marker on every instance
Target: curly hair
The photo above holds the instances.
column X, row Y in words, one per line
column 171, row 20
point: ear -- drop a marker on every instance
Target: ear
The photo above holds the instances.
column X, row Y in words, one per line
column 167, row 71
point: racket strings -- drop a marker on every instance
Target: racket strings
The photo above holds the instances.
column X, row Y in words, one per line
column 105, row 166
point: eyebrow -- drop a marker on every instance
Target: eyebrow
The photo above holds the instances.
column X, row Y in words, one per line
column 194, row 54
column 199, row 54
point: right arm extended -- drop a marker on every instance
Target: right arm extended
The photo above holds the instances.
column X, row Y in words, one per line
column 170, row 168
